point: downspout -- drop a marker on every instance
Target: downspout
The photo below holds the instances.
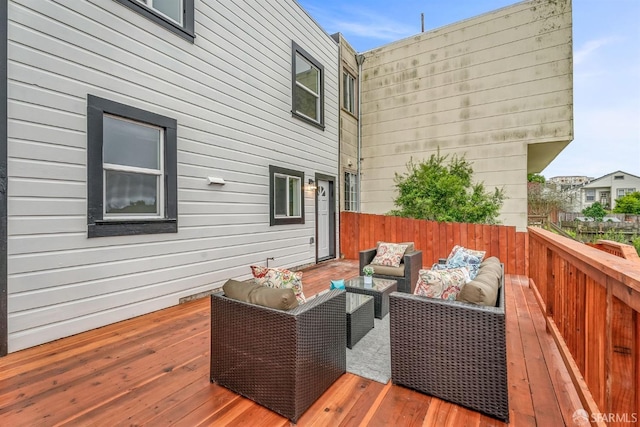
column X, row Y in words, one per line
column 359, row 60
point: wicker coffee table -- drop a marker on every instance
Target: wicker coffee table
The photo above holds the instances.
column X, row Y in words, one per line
column 379, row 290
column 359, row 317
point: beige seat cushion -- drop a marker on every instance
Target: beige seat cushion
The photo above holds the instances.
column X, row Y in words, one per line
column 279, row 298
column 387, row 270
column 483, row 290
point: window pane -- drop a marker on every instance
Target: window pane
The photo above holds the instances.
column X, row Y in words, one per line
column 307, row 75
column 306, row 103
column 131, row 193
column 130, row 144
column 294, row 196
column 171, row 8
column 280, row 201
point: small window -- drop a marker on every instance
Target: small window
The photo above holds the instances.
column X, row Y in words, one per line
column 176, row 16
column 624, row 191
column 348, row 92
column 618, row 177
column 590, row 195
column 350, row 192
column 286, row 196
column 132, row 170
column 307, row 87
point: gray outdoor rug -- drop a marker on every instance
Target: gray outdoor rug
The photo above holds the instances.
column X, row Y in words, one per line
column 371, row 356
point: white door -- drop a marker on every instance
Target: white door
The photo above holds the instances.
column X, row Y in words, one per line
column 323, row 219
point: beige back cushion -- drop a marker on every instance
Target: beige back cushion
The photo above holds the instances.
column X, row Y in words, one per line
column 483, row 290
column 279, row 298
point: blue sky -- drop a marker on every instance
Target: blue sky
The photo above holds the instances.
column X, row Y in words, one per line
column 606, row 54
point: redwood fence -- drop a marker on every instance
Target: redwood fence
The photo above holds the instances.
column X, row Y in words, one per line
column 591, row 302
column 435, row 239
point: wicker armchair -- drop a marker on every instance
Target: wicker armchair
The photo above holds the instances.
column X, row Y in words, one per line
column 412, row 262
column 283, row 360
column 452, row 350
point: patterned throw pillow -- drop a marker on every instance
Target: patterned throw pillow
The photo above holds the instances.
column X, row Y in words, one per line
column 389, row 254
column 279, row 278
column 443, row 284
column 463, row 257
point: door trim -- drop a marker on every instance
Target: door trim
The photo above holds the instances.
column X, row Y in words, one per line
column 332, row 216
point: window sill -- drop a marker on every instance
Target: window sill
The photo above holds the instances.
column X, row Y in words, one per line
column 131, row 228
column 308, row 120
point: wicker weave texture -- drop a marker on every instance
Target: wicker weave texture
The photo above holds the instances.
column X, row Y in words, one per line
column 451, row 350
column 360, row 320
column 283, row 360
column 412, row 265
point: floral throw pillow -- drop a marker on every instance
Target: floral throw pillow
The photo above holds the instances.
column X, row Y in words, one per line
column 389, row 254
column 279, row 278
column 463, row 257
column 443, row 284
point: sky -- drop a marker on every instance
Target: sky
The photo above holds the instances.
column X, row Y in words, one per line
column 606, row 66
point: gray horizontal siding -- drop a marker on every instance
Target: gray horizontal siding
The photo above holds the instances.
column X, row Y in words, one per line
column 230, row 93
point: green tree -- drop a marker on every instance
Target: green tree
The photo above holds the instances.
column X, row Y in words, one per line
column 629, row 204
column 536, row 177
column 595, row 211
column 442, row 192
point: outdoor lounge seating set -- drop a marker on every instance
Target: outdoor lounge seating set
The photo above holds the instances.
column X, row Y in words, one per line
column 447, row 333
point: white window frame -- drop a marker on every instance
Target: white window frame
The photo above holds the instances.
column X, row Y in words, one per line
column 590, row 195
column 149, row 4
column 350, row 192
column 159, row 173
column 301, row 86
column 288, row 179
column 348, row 96
column 621, row 192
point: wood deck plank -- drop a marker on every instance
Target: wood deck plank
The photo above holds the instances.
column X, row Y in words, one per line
column 154, row 370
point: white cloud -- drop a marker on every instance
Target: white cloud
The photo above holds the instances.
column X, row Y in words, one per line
column 362, row 22
column 586, row 50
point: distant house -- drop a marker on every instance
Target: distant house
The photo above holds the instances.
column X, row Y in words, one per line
column 608, row 188
column 497, row 88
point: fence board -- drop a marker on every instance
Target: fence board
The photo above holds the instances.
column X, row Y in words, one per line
column 361, row 231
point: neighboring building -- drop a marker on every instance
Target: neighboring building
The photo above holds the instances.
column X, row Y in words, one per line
column 608, row 188
column 567, row 182
column 497, row 88
column 123, row 122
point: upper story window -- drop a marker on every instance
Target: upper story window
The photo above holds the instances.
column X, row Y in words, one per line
column 176, row 16
column 350, row 192
column 286, row 196
column 348, row 92
column 132, row 170
column 590, row 195
column 618, row 177
column 307, row 87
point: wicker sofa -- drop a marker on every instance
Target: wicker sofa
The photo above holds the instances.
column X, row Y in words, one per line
column 283, row 360
column 452, row 350
column 406, row 275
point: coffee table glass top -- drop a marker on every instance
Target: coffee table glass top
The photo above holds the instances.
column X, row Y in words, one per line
column 378, row 284
column 355, row 301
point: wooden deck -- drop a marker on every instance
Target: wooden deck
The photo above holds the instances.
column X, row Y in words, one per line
column 154, row 370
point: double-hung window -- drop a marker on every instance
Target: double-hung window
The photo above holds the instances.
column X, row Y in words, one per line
column 286, row 195
column 176, row 16
column 350, row 192
column 132, row 171
column 308, row 87
column 348, row 92
column 590, row 195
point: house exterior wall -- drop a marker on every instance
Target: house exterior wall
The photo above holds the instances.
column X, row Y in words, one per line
column 348, row 120
column 610, row 184
column 489, row 88
column 230, row 92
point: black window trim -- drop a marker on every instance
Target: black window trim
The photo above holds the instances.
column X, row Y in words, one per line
column 96, row 225
column 296, row 49
column 284, row 221
column 186, row 31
